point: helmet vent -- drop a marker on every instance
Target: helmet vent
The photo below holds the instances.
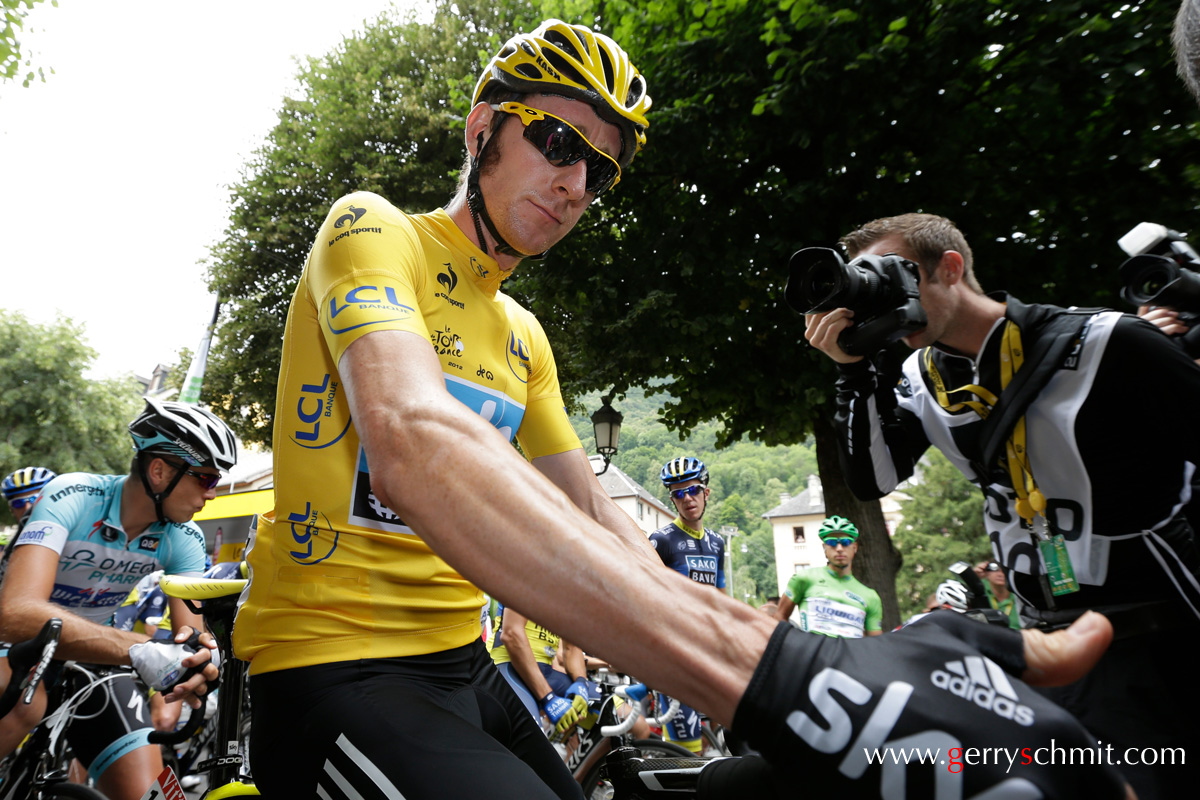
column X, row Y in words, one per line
column 566, row 68
column 608, row 70
column 562, row 42
column 637, row 88
column 529, row 71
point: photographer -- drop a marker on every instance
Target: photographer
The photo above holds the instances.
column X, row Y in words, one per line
column 1081, row 429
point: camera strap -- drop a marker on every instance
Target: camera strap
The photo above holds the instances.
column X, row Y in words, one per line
column 1003, row 425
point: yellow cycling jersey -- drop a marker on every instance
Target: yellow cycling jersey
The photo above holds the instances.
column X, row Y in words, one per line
column 542, row 642
column 336, row 575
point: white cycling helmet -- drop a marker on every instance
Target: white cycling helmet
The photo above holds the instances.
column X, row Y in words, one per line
column 178, row 430
column 953, row 594
column 186, row 432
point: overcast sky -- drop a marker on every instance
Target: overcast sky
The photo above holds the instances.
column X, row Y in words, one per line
column 114, row 171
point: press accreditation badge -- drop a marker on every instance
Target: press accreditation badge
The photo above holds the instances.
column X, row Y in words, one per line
column 1058, row 565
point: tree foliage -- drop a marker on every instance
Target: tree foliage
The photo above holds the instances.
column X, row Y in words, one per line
column 11, row 58
column 382, row 112
column 1045, row 130
column 943, row 523
column 746, row 479
column 53, row 416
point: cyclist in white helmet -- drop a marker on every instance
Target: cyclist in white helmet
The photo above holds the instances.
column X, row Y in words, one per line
column 88, row 541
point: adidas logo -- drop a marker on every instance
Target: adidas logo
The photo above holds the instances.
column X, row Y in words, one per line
column 981, row 681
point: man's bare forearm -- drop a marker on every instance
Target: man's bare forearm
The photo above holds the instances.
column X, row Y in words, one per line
column 81, row 640
column 420, row 443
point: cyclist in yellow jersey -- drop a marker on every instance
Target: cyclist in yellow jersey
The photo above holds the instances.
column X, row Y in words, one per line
column 525, row 652
column 405, row 374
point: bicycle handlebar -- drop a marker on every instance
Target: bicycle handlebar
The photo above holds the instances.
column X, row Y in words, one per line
column 32, row 658
column 195, row 724
column 626, row 725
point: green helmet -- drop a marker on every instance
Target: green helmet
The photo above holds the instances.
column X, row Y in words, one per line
column 838, row 527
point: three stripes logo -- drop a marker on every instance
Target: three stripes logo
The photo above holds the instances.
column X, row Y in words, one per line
column 981, row 681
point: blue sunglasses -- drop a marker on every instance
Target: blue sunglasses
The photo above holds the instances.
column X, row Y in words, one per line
column 831, row 542
column 690, row 491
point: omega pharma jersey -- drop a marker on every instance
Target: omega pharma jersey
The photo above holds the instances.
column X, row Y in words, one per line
column 834, row 606
column 336, row 575
column 79, row 517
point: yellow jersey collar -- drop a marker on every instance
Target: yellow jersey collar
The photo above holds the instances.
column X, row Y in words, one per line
column 481, row 267
column 695, row 534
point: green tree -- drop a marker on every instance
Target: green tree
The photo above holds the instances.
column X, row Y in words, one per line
column 11, row 58
column 1045, row 130
column 383, row 112
column 943, row 523
column 51, row 415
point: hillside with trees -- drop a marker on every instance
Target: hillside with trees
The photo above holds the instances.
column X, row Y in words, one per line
column 746, row 478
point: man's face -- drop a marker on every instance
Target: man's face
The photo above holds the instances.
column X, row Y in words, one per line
column 837, row 553
column 995, row 577
column 533, row 203
column 690, row 506
column 189, row 495
column 22, row 504
column 934, row 297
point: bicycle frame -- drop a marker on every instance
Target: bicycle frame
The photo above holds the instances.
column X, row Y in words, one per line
column 228, row 775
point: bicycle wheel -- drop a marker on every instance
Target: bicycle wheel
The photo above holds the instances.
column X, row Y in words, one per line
column 596, row 788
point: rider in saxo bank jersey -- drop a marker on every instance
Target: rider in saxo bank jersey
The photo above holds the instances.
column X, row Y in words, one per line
column 694, row 551
column 87, row 542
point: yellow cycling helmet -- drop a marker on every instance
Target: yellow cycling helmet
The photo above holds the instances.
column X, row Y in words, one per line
column 577, row 63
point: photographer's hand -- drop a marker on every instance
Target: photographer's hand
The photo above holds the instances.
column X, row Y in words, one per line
column 1166, row 319
column 822, row 330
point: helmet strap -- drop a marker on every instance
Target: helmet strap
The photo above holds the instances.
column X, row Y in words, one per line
column 478, row 208
column 157, row 497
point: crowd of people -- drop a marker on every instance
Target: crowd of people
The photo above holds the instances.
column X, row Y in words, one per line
column 361, row 619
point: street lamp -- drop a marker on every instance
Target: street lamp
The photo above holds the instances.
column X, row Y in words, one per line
column 607, row 424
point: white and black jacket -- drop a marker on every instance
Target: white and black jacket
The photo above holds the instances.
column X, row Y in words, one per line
column 1112, row 409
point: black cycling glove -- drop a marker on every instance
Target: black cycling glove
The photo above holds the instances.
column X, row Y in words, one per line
column 845, row 714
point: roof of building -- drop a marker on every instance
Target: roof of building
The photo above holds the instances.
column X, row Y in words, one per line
column 617, row 484
column 803, row 504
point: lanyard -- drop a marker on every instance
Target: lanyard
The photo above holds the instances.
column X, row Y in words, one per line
column 1030, row 500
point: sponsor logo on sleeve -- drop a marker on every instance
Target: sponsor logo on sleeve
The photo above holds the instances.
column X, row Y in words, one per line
column 35, row 534
column 381, row 300
column 347, row 222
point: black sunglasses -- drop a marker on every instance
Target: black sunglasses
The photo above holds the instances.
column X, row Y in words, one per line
column 563, row 145
column 207, row 479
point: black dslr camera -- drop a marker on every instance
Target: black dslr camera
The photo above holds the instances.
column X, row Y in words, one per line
column 880, row 290
column 1157, row 275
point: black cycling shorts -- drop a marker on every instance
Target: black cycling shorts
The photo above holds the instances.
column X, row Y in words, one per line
column 433, row 726
column 112, row 720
